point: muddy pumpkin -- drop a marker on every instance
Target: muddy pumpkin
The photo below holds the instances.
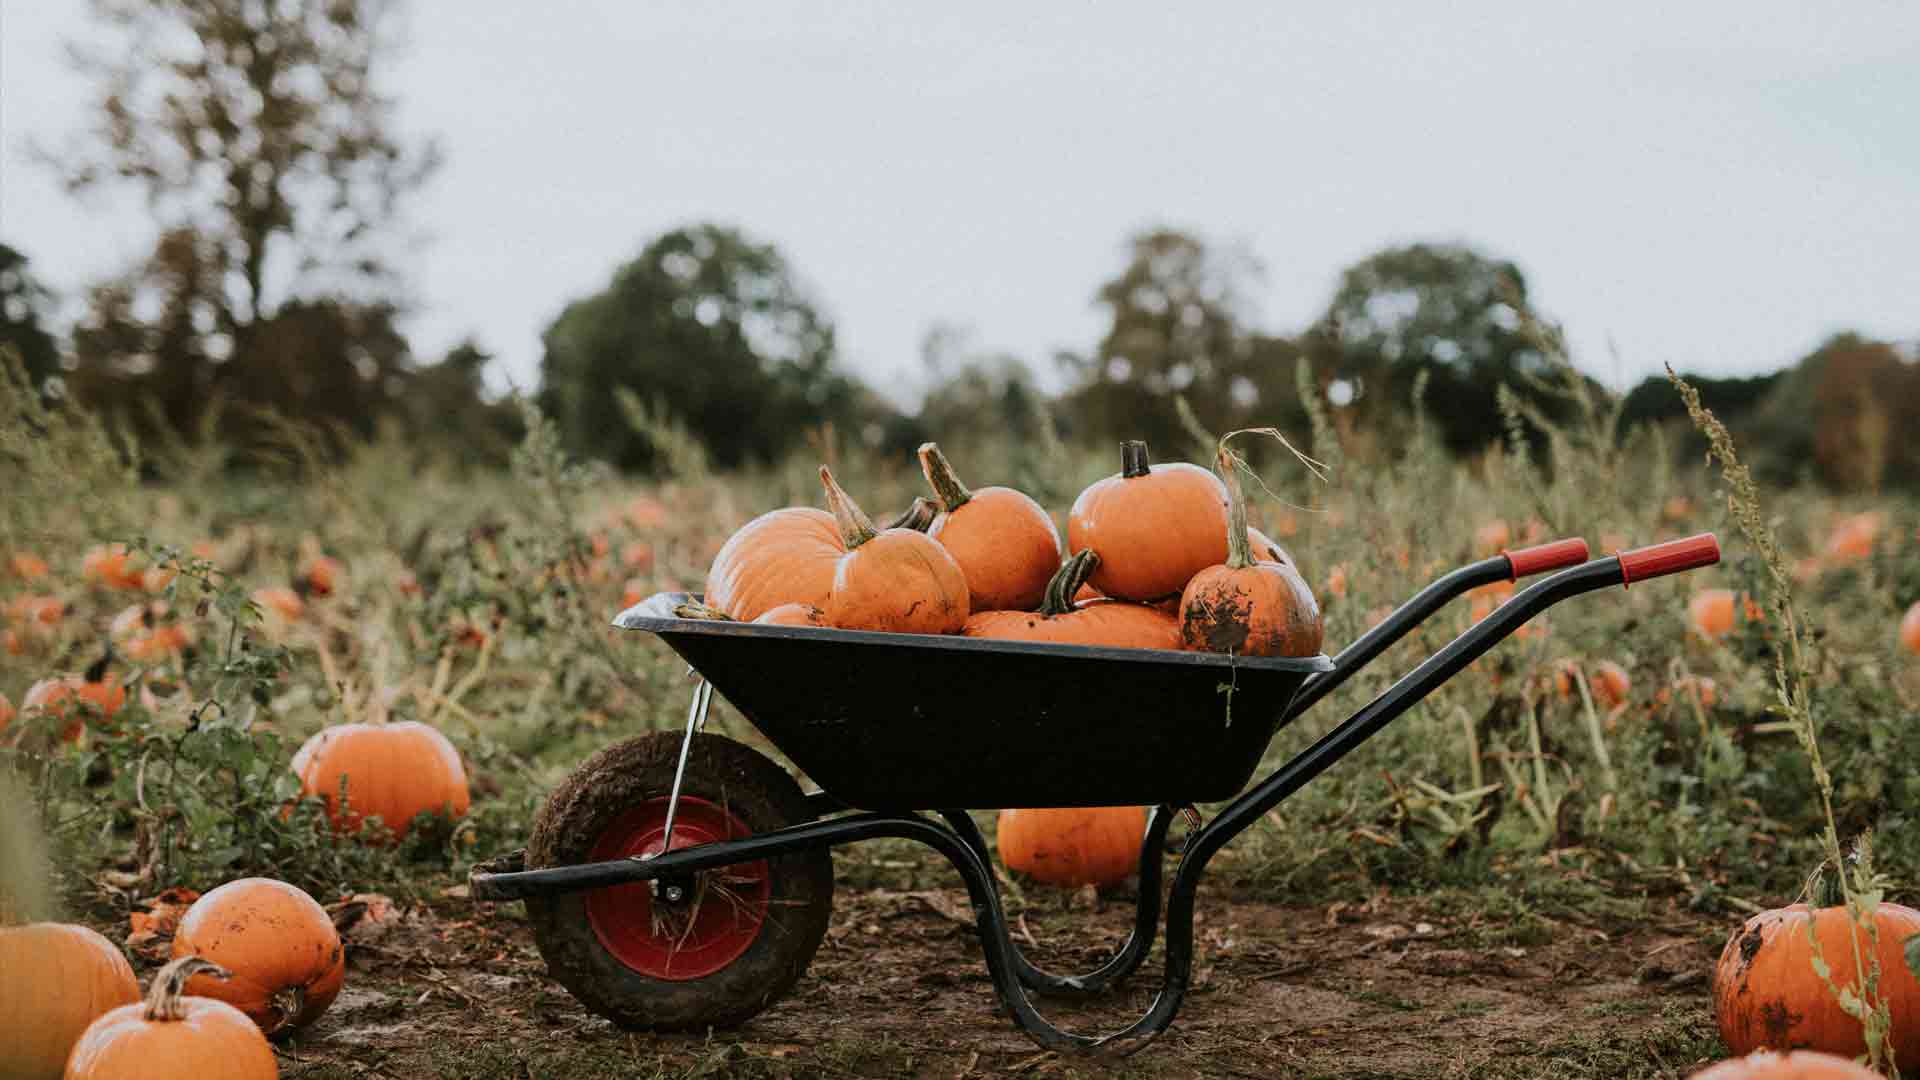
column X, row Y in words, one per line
column 1766, row 994
column 283, row 956
column 1245, row 606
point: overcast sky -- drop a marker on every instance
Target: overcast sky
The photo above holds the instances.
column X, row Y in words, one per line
column 1716, row 185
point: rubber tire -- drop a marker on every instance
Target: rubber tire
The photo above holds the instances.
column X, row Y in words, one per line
column 754, row 789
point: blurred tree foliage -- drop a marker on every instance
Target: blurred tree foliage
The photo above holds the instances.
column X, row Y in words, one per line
column 259, row 139
column 710, row 327
column 23, row 301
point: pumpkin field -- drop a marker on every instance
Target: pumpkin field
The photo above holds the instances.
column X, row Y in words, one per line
column 359, row 676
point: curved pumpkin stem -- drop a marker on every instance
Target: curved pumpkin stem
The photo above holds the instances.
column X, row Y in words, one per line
column 1067, row 580
column 163, row 996
column 1239, row 549
column 856, row 527
column 1133, row 459
column 698, row 609
column 940, row 476
column 918, row 517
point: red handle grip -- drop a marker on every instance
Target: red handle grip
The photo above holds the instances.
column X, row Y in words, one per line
column 1672, row 557
column 1557, row 555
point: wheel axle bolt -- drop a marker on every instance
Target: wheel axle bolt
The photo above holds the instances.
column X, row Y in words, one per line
column 674, row 894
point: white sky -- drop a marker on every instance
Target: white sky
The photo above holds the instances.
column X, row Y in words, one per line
column 1718, row 185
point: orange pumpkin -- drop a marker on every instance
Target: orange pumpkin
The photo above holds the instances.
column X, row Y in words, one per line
column 57, row 980
column 324, row 576
column 1765, row 992
column 637, row 556
column 781, row 557
column 1798, row 1065
column 1073, row 846
column 1153, row 526
column 1691, row 690
column 1337, row 581
column 112, row 566
column 396, row 771
column 895, row 580
column 1064, row 620
column 1005, row 543
column 284, row 957
column 281, row 602
column 1265, row 550
column 646, row 512
column 1910, row 629
column 793, row 615
column 172, row 1037
column 27, row 567
column 95, row 694
column 1606, row 681
column 1853, row 538
column 6, row 712
column 634, row 592
column 1711, row 612
column 1492, row 537
column 36, row 610
column 1247, row 607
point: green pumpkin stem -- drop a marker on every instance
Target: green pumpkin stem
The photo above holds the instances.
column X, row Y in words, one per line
column 1133, row 459
column 1239, row 550
column 163, row 995
column 699, row 609
column 856, row 527
column 1067, row 580
column 940, row 476
column 918, row 517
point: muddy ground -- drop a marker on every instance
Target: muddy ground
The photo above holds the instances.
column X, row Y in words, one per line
column 1382, row 988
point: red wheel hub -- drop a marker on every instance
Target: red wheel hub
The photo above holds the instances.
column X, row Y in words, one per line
column 716, row 920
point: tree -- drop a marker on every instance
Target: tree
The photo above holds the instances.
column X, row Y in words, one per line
column 256, row 133
column 712, row 326
column 22, row 300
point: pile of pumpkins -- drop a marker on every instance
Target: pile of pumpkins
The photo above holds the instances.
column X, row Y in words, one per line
column 251, row 959
column 1157, row 557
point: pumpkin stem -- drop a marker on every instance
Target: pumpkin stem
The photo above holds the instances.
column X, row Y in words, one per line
column 1133, row 459
column 163, row 996
column 940, row 476
column 918, row 517
column 1067, row 580
column 97, row 671
column 1239, row 551
column 698, row 609
column 287, row 1003
column 856, row 527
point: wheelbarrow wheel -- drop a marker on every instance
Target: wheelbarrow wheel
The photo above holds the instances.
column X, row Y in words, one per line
column 706, row 951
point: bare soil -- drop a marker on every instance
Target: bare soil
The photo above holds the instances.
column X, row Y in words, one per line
column 1386, row 988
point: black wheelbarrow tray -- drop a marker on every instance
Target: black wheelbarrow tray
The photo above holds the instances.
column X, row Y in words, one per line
column 682, row 881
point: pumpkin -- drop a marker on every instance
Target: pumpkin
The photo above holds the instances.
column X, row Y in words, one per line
column 1765, row 992
column 1265, row 550
column 1065, row 620
column 1691, row 690
column 1711, row 611
column 6, row 712
column 94, row 693
column 1606, row 681
column 280, row 601
column 27, row 567
column 1244, row 606
column 1073, row 846
column 895, row 580
column 1677, row 509
column 1798, row 1065
column 111, row 566
column 1005, row 543
column 637, row 555
column 283, row 956
column 781, row 557
column 396, row 771
column 1337, row 581
column 58, row 979
column 793, row 615
column 1492, row 537
column 1153, row 526
column 173, row 1037
column 1853, row 538
column 324, row 576
column 1910, row 629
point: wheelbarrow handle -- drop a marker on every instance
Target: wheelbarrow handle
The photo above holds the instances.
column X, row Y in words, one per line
column 1671, row 557
column 1555, row 555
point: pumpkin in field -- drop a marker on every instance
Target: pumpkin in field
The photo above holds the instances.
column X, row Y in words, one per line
column 781, row 557
column 324, row 575
column 174, row 1037
column 1711, row 612
column 1492, row 537
column 6, row 712
column 36, row 610
column 113, row 567
column 58, row 979
column 1606, row 681
column 1689, row 690
column 1798, row 1065
column 27, row 567
column 284, row 959
column 145, row 633
column 76, row 698
column 1095, row 621
column 1073, row 846
column 894, row 580
column 1005, row 543
column 1765, row 992
column 1910, row 629
column 793, row 615
column 1337, row 581
column 637, row 556
column 1244, row 606
column 1153, row 526
column 395, row 771
column 1853, row 538
column 280, row 602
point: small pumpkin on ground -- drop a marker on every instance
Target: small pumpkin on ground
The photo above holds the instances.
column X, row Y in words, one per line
column 396, row 771
column 27, row 566
column 1098, row 620
column 1765, row 992
column 1005, row 542
column 112, row 566
column 1606, row 681
column 95, row 694
column 1073, row 846
column 324, row 575
column 174, row 1037
column 781, row 557
column 59, row 979
column 1245, row 606
column 283, row 956
column 896, row 580
column 280, row 602
column 1153, row 526
column 1711, row 612
column 1798, row 1065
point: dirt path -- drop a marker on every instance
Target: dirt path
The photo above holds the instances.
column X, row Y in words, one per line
column 899, row 989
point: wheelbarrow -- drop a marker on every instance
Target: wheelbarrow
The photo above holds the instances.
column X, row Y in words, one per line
column 682, row 881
